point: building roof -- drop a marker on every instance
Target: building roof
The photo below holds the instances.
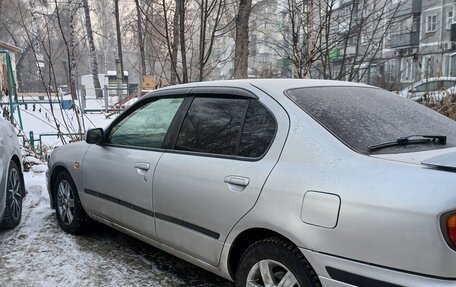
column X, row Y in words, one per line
column 9, row 47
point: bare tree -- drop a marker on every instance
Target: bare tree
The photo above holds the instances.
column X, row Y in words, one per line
column 210, row 26
column 70, row 46
column 93, row 51
column 180, row 10
column 140, row 38
column 119, row 35
column 241, row 52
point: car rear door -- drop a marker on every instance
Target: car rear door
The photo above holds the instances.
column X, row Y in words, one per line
column 227, row 145
column 117, row 175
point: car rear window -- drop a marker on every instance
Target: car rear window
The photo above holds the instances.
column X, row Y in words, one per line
column 363, row 116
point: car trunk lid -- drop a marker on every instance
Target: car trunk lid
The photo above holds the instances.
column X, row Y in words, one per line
column 445, row 161
column 441, row 158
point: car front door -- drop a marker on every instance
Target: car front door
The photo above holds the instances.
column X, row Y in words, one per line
column 117, row 175
column 224, row 152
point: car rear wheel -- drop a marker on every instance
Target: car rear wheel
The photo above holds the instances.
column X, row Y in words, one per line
column 14, row 192
column 70, row 214
column 274, row 262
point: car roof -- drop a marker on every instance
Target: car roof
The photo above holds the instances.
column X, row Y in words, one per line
column 270, row 86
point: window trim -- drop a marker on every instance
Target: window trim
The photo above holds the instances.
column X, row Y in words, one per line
column 178, row 127
column 227, row 92
column 407, row 69
column 154, row 96
column 427, row 21
column 449, row 20
column 189, row 94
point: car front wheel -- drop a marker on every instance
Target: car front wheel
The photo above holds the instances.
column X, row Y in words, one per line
column 14, row 192
column 70, row 214
column 274, row 262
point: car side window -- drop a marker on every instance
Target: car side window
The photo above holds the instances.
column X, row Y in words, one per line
column 448, row 84
column 258, row 132
column 421, row 88
column 147, row 125
column 212, row 125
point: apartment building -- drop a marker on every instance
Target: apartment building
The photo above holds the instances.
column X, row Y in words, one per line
column 386, row 43
column 420, row 44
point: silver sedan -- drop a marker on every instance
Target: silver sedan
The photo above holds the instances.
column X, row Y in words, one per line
column 274, row 182
column 11, row 182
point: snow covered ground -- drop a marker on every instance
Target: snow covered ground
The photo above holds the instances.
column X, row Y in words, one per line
column 39, row 253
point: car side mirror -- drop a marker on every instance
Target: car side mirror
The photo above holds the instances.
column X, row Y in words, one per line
column 95, row 136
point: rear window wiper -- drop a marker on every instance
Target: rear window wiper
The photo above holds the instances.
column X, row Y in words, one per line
column 413, row 139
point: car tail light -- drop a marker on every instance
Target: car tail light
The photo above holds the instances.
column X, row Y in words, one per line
column 451, row 228
column 448, row 226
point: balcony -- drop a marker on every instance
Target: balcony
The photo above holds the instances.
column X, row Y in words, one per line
column 404, row 40
column 407, row 7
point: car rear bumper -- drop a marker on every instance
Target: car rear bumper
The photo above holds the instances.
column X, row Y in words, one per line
column 340, row 272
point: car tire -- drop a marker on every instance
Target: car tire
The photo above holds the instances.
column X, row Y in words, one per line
column 273, row 262
column 70, row 214
column 14, row 192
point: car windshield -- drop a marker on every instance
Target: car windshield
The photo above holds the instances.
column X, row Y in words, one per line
column 363, row 116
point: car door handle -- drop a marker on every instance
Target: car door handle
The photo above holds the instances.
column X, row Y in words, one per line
column 237, row 180
column 142, row 166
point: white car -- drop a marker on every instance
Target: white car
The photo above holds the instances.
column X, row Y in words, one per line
column 276, row 182
column 12, row 181
column 434, row 87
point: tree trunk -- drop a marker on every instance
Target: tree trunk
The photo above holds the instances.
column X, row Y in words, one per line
column 93, row 52
column 241, row 50
column 72, row 48
column 175, row 44
column 202, row 47
column 72, row 58
column 119, row 37
column 182, row 40
column 140, row 40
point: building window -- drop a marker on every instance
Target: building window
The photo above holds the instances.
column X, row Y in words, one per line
column 392, row 70
column 450, row 18
column 431, row 23
column 363, row 39
column 407, row 70
column 427, row 65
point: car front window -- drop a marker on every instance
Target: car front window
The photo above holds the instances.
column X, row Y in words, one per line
column 146, row 126
column 362, row 117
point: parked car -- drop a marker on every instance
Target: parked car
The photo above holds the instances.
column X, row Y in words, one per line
column 433, row 87
column 12, row 181
column 274, row 182
column 63, row 90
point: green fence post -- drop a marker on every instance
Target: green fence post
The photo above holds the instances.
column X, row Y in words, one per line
column 32, row 140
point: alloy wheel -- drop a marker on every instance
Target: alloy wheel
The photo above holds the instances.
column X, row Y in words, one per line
column 14, row 193
column 65, row 202
column 270, row 273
